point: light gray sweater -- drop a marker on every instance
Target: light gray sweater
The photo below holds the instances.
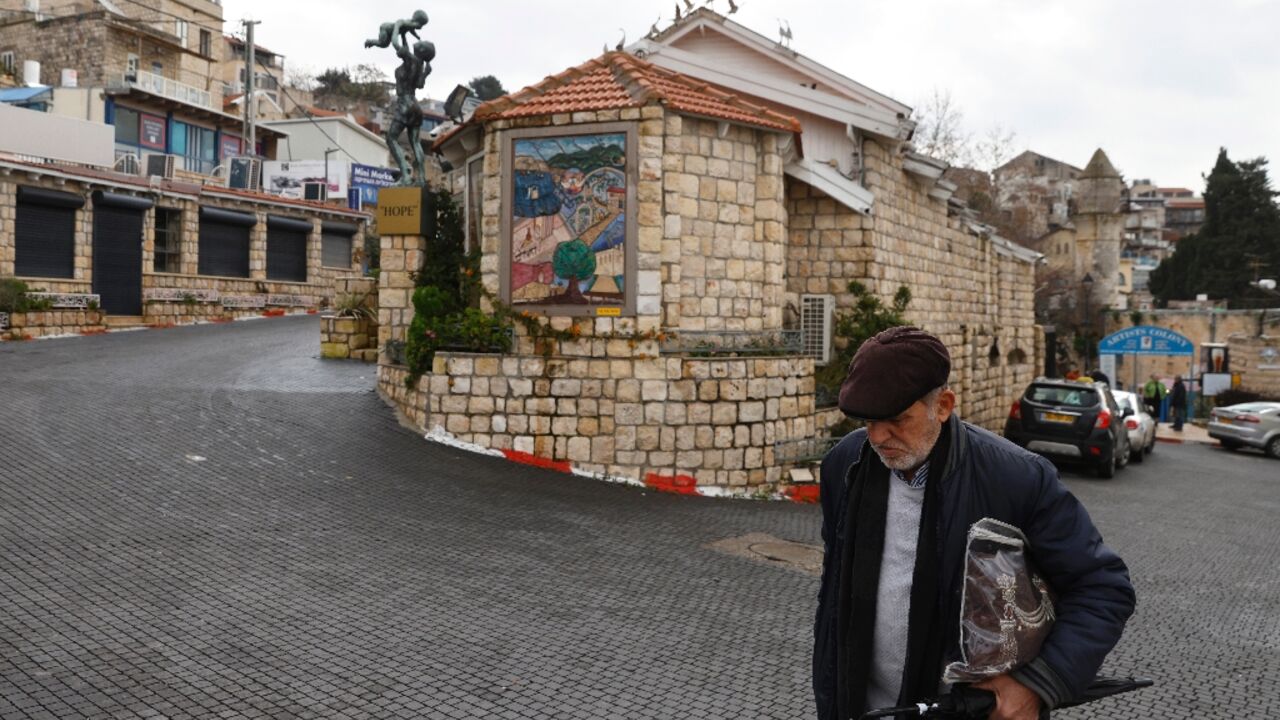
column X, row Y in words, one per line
column 893, row 599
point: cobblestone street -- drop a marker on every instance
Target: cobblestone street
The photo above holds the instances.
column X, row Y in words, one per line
column 211, row 522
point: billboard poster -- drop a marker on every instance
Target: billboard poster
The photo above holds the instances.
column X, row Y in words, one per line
column 368, row 179
column 1215, row 358
column 230, row 146
column 286, row 178
column 152, row 131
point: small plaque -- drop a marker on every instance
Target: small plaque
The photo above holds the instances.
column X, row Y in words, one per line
column 405, row 211
column 609, row 312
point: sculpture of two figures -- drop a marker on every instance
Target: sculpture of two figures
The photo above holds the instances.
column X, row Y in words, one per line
column 406, row 115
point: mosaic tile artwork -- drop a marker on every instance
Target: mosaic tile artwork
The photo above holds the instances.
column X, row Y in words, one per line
column 569, row 220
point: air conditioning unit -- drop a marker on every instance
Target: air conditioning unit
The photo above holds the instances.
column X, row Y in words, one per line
column 128, row 164
column 161, row 165
column 245, row 173
column 317, row 191
column 816, row 313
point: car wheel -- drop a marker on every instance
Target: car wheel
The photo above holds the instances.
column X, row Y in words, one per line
column 1230, row 444
column 1273, row 447
column 1107, row 468
column 1151, row 445
column 1138, row 455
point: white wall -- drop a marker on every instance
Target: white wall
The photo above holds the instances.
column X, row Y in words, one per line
column 53, row 137
column 306, row 141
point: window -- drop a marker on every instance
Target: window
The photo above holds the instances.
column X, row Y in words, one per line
column 131, row 68
column 168, row 240
column 126, row 126
column 224, row 242
column 157, row 67
column 287, row 248
column 45, row 233
column 7, row 62
column 336, row 245
column 197, row 146
column 475, row 202
column 182, row 30
column 206, row 43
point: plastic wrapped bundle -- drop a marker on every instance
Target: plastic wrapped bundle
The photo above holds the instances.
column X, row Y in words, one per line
column 1006, row 612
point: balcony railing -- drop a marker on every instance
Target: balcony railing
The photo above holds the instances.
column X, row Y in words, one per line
column 164, row 87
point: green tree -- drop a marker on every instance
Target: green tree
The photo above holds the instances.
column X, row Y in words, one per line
column 869, row 316
column 1241, row 231
column 487, row 87
column 573, row 261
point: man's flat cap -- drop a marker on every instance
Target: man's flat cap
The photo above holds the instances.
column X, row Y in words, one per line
column 893, row 370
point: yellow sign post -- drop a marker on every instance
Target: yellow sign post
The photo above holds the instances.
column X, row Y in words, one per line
column 405, row 211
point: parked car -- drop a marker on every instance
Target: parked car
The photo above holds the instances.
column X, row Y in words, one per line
column 1073, row 421
column 1255, row 424
column 1140, row 424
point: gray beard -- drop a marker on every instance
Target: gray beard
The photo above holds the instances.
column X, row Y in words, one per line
column 915, row 457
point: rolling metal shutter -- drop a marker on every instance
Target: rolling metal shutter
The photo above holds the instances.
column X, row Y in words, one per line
column 45, row 233
column 224, row 242
column 287, row 248
column 117, row 251
column 335, row 244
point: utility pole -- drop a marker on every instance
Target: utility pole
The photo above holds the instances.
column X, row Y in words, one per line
column 250, row 62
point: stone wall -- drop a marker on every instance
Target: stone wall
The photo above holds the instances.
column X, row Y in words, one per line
column 320, row 280
column 722, row 236
column 1257, row 359
column 52, row 323
column 1199, row 325
column 348, row 337
column 977, row 298
column 713, row 419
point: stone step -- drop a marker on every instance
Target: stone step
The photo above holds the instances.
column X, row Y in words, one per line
column 124, row 321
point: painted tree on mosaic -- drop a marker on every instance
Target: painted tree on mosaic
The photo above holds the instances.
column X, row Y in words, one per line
column 574, row 262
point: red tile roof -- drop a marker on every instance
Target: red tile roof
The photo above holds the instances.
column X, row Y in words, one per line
column 618, row 80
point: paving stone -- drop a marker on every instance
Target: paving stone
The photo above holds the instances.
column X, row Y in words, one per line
column 212, row 522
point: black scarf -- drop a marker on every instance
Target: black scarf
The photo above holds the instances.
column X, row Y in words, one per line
column 860, row 581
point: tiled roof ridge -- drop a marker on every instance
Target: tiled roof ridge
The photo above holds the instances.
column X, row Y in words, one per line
column 643, row 83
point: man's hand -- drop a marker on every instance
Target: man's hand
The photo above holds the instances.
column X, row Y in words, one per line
column 1014, row 701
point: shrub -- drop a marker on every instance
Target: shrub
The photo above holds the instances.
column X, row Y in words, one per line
column 14, row 299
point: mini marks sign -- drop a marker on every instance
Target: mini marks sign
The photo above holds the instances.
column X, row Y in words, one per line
column 405, row 211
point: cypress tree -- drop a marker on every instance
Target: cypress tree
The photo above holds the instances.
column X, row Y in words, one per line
column 1242, row 226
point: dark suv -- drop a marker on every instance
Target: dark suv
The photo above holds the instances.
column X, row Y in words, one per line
column 1069, row 420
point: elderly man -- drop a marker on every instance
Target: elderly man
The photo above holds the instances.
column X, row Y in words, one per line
column 898, row 498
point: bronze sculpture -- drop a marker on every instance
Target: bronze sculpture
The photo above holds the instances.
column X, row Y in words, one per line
column 406, row 115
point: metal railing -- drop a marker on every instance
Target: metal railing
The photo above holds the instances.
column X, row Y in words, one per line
column 725, row 342
column 164, row 87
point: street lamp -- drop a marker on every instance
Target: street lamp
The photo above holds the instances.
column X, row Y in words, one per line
column 1087, row 282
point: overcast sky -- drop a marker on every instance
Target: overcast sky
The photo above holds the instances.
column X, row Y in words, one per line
column 1159, row 85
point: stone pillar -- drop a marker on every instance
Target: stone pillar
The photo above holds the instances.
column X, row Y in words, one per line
column 402, row 256
column 8, row 215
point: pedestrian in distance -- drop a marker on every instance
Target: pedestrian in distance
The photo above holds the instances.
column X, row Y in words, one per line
column 1178, row 403
column 898, row 499
column 1153, row 395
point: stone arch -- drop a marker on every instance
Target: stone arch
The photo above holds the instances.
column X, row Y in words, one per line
column 1016, row 357
column 993, row 356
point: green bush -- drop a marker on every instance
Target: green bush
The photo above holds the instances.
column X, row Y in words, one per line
column 446, row 302
column 13, row 297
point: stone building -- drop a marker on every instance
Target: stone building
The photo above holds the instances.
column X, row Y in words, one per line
column 752, row 202
column 152, row 69
column 151, row 251
column 1035, row 192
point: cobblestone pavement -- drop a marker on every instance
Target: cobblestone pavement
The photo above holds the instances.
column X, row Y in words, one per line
column 211, row 522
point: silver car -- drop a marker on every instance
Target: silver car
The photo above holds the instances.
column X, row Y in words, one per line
column 1140, row 424
column 1255, row 424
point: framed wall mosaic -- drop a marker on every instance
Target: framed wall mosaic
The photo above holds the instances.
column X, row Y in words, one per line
column 568, row 244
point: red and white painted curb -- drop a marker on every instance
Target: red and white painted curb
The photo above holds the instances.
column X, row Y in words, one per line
column 675, row 484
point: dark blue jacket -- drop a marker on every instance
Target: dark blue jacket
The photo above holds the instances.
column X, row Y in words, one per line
column 988, row 476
